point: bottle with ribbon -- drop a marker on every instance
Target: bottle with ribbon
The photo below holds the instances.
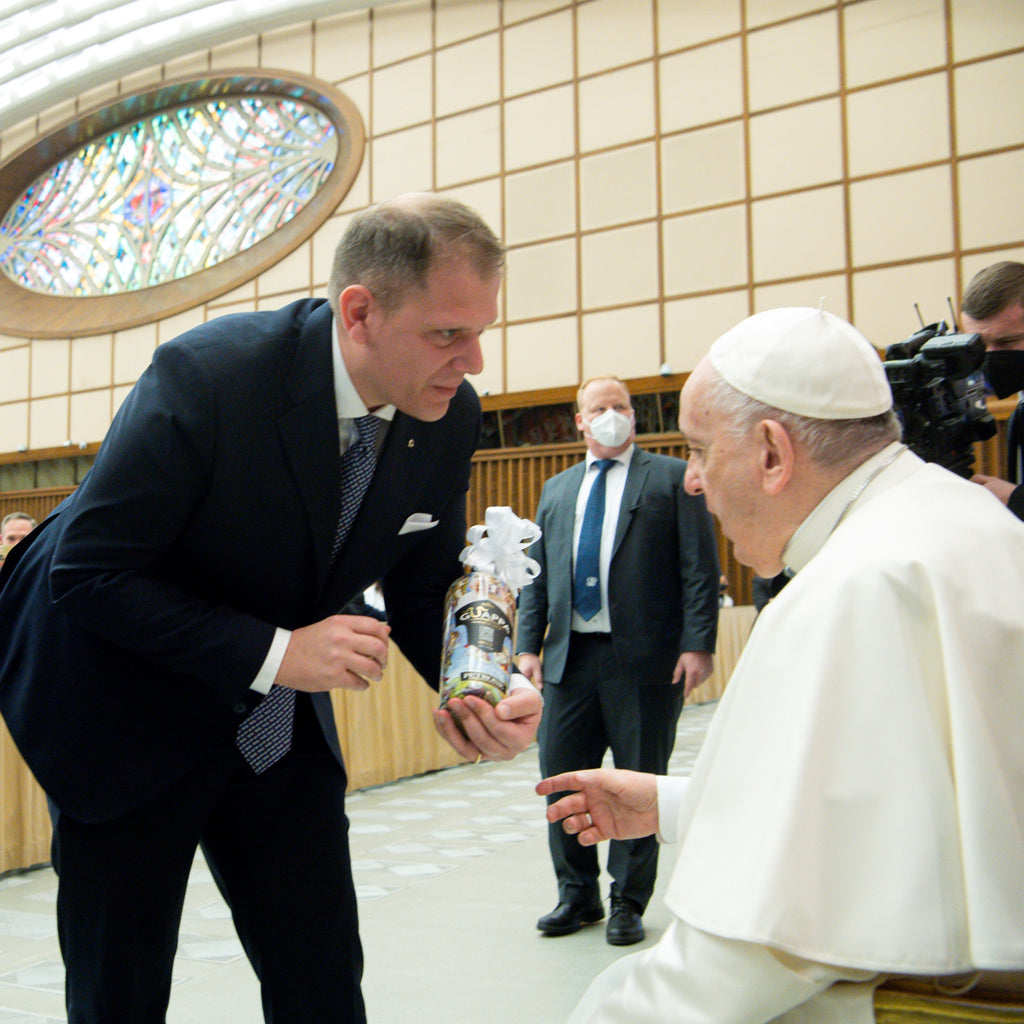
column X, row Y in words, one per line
column 480, row 606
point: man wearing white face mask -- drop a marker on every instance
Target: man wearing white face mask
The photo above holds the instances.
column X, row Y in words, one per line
column 626, row 610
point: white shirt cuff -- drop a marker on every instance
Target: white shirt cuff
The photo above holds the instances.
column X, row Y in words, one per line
column 272, row 663
column 671, row 790
column 517, row 681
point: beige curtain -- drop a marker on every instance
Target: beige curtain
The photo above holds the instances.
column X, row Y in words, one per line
column 387, row 732
column 733, row 628
column 24, row 821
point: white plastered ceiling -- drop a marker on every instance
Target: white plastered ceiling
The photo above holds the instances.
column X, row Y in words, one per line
column 53, row 50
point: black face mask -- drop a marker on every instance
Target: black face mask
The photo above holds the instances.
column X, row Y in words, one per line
column 1004, row 371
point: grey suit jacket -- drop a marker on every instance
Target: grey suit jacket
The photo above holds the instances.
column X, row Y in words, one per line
column 663, row 576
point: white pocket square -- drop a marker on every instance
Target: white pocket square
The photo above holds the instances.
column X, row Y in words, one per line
column 417, row 521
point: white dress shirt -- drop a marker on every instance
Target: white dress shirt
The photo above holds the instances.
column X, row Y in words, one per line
column 615, row 484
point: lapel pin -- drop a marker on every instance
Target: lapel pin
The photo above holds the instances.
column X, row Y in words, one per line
column 412, row 443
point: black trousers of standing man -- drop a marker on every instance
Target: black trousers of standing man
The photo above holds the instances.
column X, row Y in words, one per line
column 593, row 709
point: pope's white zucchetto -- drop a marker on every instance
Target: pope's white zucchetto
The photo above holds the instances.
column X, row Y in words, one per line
column 804, row 361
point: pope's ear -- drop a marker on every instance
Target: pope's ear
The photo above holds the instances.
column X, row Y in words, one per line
column 776, row 455
column 354, row 305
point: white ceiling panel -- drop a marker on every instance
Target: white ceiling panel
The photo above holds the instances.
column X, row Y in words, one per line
column 52, row 50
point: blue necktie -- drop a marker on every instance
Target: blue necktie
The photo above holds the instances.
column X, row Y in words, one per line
column 265, row 736
column 357, row 466
column 586, row 588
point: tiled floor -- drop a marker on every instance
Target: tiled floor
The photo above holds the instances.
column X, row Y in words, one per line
column 452, row 872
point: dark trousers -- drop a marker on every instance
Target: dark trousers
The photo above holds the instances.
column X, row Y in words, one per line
column 277, row 845
column 592, row 709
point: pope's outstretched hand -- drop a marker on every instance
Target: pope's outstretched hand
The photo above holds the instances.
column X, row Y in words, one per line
column 603, row 803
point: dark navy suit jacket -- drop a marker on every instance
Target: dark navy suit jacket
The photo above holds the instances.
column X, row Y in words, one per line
column 136, row 617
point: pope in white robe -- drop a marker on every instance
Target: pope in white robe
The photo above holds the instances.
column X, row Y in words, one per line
column 857, row 809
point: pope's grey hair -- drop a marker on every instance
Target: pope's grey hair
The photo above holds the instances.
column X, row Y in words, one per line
column 831, row 443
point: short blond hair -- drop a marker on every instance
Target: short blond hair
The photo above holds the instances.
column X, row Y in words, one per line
column 593, row 380
column 18, row 515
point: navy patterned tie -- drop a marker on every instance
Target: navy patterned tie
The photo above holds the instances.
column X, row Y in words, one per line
column 265, row 736
column 586, row 589
column 357, row 466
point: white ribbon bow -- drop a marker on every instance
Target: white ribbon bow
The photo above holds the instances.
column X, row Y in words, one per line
column 499, row 547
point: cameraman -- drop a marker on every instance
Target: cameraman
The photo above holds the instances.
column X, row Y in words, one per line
column 993, row 306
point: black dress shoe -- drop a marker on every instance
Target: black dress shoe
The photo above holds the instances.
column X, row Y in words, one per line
column 624, row 925
column 567, row 918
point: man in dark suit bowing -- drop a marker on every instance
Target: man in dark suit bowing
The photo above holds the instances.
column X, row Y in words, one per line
column 626, row 610
column 169, row 654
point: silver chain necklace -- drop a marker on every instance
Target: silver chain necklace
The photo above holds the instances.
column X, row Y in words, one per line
column 863, row 486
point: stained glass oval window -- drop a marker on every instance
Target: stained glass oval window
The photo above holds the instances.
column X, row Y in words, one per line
column 207, row 173
column 167, row 197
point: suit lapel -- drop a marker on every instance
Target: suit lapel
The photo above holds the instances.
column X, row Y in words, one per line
column 402, row 466
column 636, row 478
column 562, row 521
column 309, row 433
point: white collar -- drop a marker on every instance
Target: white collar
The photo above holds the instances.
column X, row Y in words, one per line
column 851, row 492
column 624, row 457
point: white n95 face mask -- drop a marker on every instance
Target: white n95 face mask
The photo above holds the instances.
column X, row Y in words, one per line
column 611, row 428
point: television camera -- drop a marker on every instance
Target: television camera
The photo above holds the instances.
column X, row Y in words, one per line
column 939, row 394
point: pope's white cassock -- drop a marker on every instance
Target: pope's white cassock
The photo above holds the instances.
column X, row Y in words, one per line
column 857, row 809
